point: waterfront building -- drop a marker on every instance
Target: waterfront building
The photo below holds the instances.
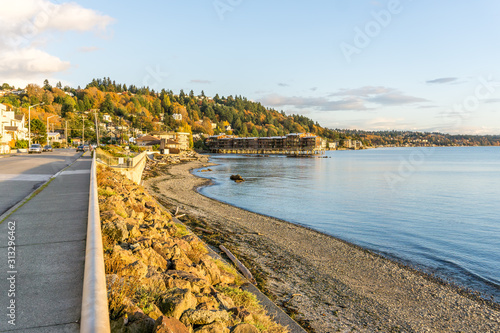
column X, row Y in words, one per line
column 290, row 143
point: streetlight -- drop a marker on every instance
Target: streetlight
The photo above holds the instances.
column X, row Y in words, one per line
column 48, row 127
column 96, row 126
column 29, row 122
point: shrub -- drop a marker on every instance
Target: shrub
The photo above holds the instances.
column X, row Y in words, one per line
column 22, row 144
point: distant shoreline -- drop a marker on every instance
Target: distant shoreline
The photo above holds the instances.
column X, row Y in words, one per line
column 340, row 285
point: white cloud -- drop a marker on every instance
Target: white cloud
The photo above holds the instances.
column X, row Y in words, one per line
column 200, row 81
column 25, row 24
column 363, row 91
column 30, row 61
column 318, row 103
column 442, row 80
column 359, row 99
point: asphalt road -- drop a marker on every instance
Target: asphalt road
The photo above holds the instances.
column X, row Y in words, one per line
column 42, row 244
column 21, row 174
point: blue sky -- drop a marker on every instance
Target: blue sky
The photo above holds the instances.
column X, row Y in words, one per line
column 372, row 65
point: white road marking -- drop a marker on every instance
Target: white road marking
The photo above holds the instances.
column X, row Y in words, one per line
column 74, row 172
column 24, row 178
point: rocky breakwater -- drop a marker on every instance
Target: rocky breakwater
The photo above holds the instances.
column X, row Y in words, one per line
column 160, row 277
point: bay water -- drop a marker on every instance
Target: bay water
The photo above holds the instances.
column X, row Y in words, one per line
column 436, row 209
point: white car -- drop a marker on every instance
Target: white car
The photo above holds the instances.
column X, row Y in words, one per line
column 35, row 148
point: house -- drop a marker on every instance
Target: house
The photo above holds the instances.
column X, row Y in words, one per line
column 54, row 137
column 177, row 116
column 148, row 140
column 357, row 144
column 106, row 118
column 181, row 137
column 12, row 128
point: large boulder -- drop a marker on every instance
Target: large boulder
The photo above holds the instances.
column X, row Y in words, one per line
column 169, row 251
column 137, row 268
column 211, row 270
column 212, row 328
column 116, row 230
column 176, row 301
column 241, row 313
column 237, row 178
column 197, row 282
column 245, row 328
column 204, row 317
column 225, row 301
column 122, row 257
column 144, row 324
column 169, row 325
column 151, row 258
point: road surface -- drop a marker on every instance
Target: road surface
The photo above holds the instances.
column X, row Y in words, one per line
column 22, row 174
column 42, row 244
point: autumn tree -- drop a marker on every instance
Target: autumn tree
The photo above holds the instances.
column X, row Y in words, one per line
column 35, row 93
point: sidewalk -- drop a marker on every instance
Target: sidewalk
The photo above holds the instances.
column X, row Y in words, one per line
column 45, row 281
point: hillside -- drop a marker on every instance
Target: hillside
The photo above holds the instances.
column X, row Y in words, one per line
column 134, row 110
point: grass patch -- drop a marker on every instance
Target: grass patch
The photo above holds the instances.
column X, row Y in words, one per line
column 107, row 192
column 260, row 319
column 120, row 289
column 223, row 266
column 181, row 231
column 148, row 295
column 197, row 251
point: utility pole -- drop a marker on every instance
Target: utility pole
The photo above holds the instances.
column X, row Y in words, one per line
column 83, row 130
column 66, row 133
column 96, row 127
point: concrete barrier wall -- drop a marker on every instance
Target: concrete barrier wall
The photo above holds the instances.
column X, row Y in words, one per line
column 95, row 314
column 134, row 172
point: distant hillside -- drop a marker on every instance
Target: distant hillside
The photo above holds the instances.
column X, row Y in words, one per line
column 147, row 110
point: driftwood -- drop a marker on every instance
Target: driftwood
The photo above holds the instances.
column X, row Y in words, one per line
column 204, row 230
column 176, row 211
column 238, row 264
column 179, row 216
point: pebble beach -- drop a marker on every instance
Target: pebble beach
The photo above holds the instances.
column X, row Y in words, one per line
column 324, row 283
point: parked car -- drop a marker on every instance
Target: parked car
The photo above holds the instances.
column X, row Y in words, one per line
column 47, row 148
column 80, row 148
column 35, row 148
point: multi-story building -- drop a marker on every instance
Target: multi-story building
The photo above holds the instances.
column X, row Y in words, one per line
column 12, row 128
column 294, row 142
column 181, row 137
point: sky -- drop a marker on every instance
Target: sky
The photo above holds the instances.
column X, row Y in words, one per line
column 415, row 65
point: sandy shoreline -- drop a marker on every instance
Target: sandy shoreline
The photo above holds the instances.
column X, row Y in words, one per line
column 328, row 284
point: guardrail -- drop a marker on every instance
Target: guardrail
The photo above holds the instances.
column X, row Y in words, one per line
column 120, row 162
column 94, row 315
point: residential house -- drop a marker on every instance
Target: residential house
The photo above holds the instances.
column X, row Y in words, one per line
column 177, row 116
column 148, row 140
column 12, row 128
column 181, row 137
column 54, row 137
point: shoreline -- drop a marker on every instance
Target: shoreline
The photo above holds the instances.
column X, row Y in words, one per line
column 328, row 284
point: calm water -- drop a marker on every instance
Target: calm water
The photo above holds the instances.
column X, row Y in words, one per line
column 437, row 209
